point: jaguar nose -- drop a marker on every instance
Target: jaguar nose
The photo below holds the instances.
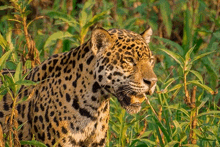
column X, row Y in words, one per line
column 150, row 82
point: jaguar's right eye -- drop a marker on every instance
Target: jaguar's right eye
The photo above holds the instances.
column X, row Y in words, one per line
column 130, row 61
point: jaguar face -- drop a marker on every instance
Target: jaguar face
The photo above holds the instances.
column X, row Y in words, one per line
column 128, row 68
column 140, row 81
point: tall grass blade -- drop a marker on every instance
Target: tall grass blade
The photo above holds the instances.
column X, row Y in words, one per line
column 33, row 142
column 163, row 129
column 187, row 36
column 166, row 15
column 159, row 136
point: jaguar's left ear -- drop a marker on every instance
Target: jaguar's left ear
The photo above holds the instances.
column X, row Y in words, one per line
column 100, row 40
column 147, row 34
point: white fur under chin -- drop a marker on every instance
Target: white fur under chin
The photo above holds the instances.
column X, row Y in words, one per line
column 132, row 110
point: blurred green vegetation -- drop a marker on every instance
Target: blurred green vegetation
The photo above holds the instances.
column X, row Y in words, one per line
column 186, row 43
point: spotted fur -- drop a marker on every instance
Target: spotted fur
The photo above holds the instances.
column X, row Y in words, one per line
column 70, row 105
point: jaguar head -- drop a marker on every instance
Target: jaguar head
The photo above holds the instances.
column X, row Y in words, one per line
column 125, row 63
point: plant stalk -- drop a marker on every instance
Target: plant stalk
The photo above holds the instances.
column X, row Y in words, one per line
column 187, row 97
column 193, row 119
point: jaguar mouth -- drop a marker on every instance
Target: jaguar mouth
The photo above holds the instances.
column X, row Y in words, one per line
column 131, row 102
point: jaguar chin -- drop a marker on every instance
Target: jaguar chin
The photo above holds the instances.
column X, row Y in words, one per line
column 131, row 100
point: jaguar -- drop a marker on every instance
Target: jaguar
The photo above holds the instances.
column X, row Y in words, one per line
column 69, row 105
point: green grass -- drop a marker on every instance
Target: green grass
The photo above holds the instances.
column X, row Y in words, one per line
column 186, row 42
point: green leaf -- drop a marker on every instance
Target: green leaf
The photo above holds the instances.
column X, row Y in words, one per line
column 202, row 86
column 169, row 82
column 172, row 143
column 208, row 113
column 166, row 15
column 212, row 70
column 1, row 97
column 55, row 36
column 18, row 72
column 129, row 23
column 23, row 99
column 15, row 20
column 33, row 142
column 149, row 141
column 29, row 2
column 176, row 92
column 20, row 126
column 175, row 56
column 5, row 7
column 142, row 145
column 26, row 82
column 3, row 42
column 203, row 103
column 86, row 13
column 134, row 142
column 190, row 145
column 177, row 86
column 95, row 19
column 187, row 56
column 217, row 34
column 180, row 109
column 198, row 75
column 26, row 13
column 28, row 64
column 4, row 58
column 172, row 43
column 178, row 128
column 64, row 17
column 200, row 56
column 146, row 133
column 10, row 41
column 10, row 82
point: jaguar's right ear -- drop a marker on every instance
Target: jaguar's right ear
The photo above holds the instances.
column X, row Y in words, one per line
column 100, row 40
column 147, row 34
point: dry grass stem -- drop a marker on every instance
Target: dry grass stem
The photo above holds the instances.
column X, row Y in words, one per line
column 143, row 130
